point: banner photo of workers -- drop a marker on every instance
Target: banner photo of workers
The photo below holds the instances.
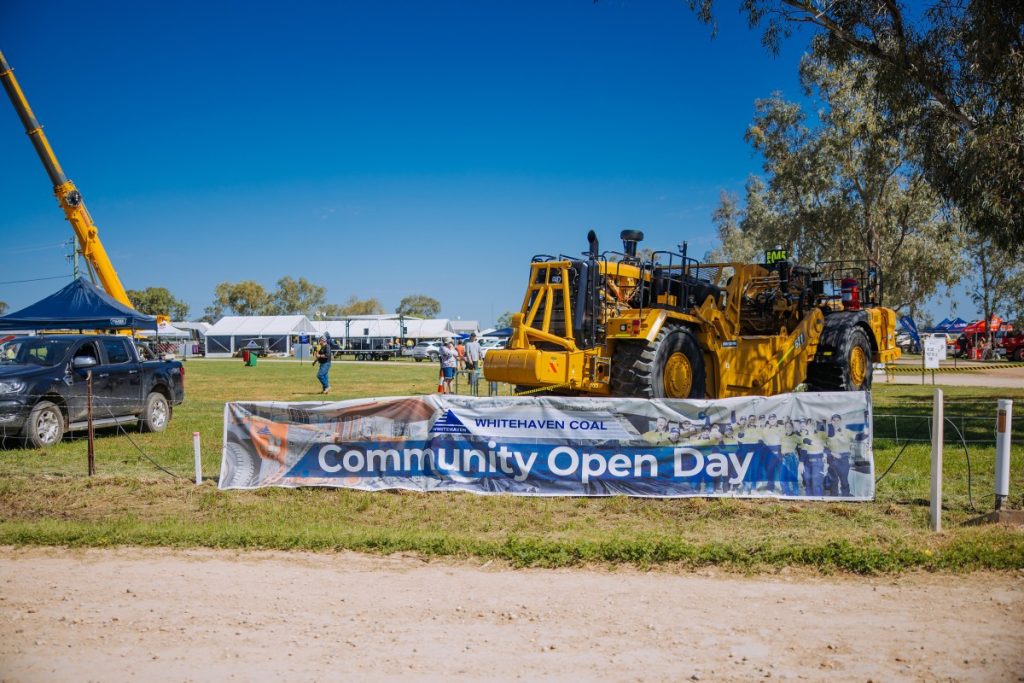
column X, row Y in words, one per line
column 799, row 446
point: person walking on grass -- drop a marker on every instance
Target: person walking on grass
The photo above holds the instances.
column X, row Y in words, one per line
column 323, row 357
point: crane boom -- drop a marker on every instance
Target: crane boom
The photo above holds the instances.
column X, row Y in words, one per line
column 68, row 196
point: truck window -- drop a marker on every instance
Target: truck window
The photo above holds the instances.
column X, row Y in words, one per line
column 87, row 350
column 117, row 351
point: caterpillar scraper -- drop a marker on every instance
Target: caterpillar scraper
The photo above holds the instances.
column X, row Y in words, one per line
column 668, row 326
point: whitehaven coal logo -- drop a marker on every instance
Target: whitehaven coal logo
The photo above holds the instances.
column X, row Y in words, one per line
column 449, row 424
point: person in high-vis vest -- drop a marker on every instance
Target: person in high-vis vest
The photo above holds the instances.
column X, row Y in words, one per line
column 812, row 455
column 840, row 449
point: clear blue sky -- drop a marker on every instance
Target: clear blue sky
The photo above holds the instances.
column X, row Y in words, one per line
column 379, row 149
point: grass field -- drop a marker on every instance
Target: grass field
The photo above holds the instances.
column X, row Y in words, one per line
column 46, row 497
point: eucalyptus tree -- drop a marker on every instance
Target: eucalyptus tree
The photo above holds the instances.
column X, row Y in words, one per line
column 951, row 73
column 843, row 183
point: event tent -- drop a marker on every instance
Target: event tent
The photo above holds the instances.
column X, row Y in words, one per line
column 232, row 332
column 79, row 306
column 166, row 330
column 979, row 326
column 952, row 326
column 387, row 328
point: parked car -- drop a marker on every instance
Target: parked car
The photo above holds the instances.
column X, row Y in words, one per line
column 907, row 343
column 426, row 350
column 491, row 343
column 43, row 386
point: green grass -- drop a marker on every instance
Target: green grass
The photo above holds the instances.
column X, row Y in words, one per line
column 46, row 498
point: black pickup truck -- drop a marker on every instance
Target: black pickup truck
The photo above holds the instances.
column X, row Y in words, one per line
column 43, row 386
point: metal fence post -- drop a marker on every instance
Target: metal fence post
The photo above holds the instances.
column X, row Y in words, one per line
column 936, row 489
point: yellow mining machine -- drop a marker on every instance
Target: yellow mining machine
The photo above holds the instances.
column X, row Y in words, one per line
column 667, row 326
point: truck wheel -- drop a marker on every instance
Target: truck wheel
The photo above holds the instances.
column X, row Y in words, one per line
column 240, row 468
column 156, row 414
column 671, row 366
column 418, row 360
column 851, row 369
column 433, row 358
column 1020, row 354
column 45, row 425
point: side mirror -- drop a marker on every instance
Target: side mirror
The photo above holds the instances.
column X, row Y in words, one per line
column 84, row 362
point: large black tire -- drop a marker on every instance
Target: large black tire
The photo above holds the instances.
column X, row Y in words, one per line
column 1019, row 355
column 418, row 360
column 44, row 426
column 671, row 366
column 156, row 414
column 241, row 466
column 850, row 367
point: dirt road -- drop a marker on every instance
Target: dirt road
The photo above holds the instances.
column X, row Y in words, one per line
column 203, row 615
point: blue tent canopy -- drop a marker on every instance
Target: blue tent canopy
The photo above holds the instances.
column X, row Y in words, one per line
column 79, row 306
column 957, row 325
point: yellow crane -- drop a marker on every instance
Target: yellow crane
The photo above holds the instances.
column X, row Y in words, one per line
column 68, row 196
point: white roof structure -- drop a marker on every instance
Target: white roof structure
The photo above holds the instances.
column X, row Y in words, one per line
column 169, row 331
column 368, row 326
column 260, row 325
column 199, row 327
column 465, row 326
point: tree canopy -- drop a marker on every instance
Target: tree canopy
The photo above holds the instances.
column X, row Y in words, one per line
column 158, row 301
column 247, row 297
column 505, row 319
column 951, row 74
column 354, row 306
column 846, row 186
column 419, row 305
column 296, row 297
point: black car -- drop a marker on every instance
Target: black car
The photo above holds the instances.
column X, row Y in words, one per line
column 43, row 386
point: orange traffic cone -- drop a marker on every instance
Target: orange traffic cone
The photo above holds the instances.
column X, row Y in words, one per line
column 440, row 381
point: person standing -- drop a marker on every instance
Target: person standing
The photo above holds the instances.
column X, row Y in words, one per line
column 460, row 349
column 840, row 448
column 323, row 357
column 449, row 362
column 473, row 356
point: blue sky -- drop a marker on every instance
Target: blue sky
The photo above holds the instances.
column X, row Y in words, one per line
column 379, row 149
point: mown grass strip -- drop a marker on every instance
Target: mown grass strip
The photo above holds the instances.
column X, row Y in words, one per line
column 46, row 499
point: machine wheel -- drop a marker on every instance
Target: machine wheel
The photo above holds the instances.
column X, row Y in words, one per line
column 418, row 360
column 241, row 467
column 433, row 357
column 156, row 414
column 45, row 425
column 1019, row 356
column 671, row 366
column 851, row 370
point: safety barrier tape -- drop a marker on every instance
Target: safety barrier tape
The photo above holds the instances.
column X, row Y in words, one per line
column 912, row 370
column 540, row 389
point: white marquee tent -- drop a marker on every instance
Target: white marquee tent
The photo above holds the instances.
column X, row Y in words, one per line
column 384, row 327
column 232, row 332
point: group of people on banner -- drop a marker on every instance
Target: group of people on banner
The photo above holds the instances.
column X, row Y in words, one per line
column 791, row 457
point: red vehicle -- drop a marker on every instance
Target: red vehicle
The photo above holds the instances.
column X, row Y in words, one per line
column 1014, row 345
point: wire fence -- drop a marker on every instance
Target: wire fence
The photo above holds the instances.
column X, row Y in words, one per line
column 904, row 428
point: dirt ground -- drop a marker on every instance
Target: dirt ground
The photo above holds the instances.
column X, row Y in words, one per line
column 203, row 615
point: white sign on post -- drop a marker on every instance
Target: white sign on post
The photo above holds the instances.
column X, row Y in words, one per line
column 934, row 351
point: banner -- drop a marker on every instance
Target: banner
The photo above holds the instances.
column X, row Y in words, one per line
column 804, row 445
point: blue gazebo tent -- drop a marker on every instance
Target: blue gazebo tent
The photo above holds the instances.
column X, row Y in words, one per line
column 79, row 306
